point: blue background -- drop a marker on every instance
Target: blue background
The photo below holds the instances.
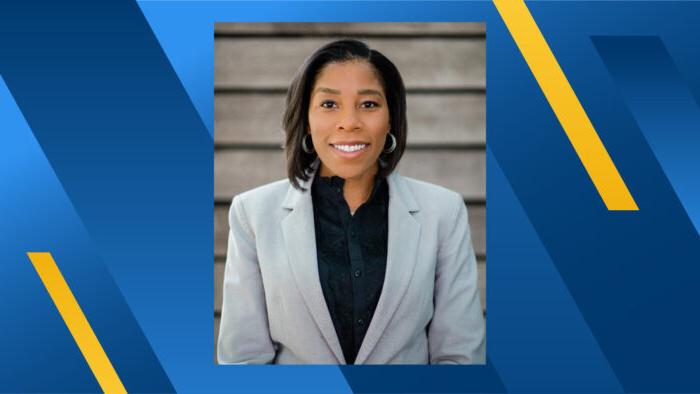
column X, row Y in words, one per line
column 106, row 161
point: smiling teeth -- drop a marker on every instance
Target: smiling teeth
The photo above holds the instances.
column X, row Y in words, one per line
column 350, row 148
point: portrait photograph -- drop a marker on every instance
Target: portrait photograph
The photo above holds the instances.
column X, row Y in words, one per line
column 195, row 190
column 350, row 196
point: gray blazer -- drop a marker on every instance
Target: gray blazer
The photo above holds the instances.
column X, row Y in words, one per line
column 274, row 310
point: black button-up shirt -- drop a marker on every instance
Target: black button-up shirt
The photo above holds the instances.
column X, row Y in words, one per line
column 351, row 252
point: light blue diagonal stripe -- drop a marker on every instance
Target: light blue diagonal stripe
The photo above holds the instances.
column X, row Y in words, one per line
column 538, row 339
column 189, row 48
column 664, row 108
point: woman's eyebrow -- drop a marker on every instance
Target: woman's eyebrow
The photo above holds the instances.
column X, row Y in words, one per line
column 372, row 92
column 363, row 92
column 326, row 90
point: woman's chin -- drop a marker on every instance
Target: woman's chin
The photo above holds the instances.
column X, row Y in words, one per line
column 347, row 171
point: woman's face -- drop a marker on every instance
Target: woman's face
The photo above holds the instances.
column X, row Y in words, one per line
column 348, row 119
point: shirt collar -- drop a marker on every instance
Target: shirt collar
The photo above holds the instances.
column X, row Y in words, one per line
column 332, row 186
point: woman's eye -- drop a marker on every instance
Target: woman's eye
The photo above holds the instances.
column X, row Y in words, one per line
column 328, row 104
column 370, row 104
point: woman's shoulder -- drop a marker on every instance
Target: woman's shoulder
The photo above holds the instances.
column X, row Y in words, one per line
column 437, row 204
column 263, row 197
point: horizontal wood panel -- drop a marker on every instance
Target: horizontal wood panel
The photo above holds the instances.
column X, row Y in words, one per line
column 272, row 62
column 221, row 229
column 219, row 280
column 477, row 224
column 217, row 323
column 461, row 171
column 432, row 118
column 412, row 28
column 219, row 268
column 236, row 171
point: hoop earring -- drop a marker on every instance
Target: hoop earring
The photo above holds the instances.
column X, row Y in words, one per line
column 392, row 148
column 305, row 146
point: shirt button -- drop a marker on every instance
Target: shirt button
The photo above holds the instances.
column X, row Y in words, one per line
column 337, row 189
column 357, row 273
column 361, row 322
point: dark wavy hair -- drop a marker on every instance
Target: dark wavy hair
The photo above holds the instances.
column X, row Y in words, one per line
column 296, row 115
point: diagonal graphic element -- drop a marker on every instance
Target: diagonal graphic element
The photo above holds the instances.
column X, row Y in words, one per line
column 566, row 106
column 38, row 214
column 76, row 321
column 189, row 48
column 663, row 106
column 530, row 293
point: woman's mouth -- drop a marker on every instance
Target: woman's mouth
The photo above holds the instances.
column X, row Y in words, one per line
column 350, row 150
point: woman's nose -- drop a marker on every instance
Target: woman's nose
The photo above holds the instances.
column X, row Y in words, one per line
column 350, row 121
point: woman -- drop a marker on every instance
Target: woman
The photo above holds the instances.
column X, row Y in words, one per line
column 348, row 262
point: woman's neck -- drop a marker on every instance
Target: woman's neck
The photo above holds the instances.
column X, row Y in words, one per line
column 356, row 190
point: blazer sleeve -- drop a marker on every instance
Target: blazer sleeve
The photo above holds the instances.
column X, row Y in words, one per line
column 244, row 335
column 456, row 332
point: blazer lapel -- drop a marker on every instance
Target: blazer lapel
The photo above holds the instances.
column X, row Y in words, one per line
column 300, row 243
column 403, row 238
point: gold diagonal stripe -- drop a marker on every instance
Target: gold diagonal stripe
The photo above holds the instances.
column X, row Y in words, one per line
column 566, row 106
column 77, row 323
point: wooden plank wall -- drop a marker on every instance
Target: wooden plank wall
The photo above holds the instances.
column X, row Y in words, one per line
column 443, row 66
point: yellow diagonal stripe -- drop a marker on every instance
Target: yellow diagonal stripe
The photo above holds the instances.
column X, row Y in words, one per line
column 77, row 323
column 566, row 106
